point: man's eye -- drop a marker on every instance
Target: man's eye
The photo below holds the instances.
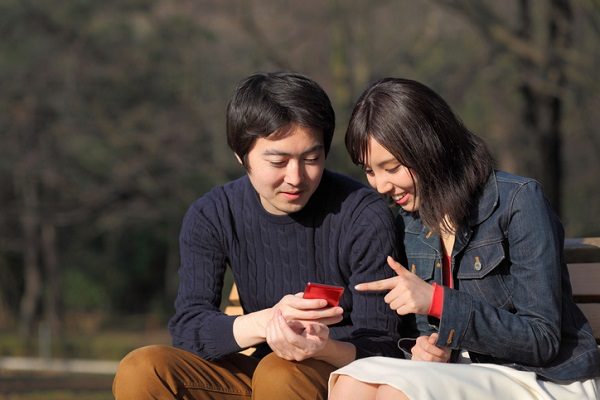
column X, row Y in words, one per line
column 278, row 164
column 312, row 160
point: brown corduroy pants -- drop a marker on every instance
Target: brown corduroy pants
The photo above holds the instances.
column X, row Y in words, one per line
column 165, row 372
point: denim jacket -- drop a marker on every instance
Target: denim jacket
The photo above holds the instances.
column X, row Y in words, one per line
column 512, row 302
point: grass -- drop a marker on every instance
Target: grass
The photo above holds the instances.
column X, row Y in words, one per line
column 18, row 385
column 85, row 336
column 108, row 345
column 99, row 344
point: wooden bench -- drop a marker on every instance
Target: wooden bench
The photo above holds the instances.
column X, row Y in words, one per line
column 233, row 306
column 583, row 258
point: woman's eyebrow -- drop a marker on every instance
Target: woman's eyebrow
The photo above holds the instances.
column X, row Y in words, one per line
column 392, row 159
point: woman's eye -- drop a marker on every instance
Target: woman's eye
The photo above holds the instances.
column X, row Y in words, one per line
column 393, row 170
column 368, row 171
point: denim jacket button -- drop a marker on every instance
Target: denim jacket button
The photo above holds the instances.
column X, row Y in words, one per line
column 477, row 264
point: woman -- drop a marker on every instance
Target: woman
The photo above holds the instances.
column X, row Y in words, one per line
column 485, row 269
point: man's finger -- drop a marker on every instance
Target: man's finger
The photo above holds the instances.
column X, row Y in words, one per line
column 384, row 284
column 285, row 330
column 301, row 303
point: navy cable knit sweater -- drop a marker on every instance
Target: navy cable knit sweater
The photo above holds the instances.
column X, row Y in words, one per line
column 341, row 237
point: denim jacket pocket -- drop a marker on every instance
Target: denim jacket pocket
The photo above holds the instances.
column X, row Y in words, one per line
column 483, row 273
column 423, row 267
column 477, row 262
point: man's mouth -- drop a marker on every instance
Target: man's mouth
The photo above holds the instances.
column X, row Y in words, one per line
column 292, row 195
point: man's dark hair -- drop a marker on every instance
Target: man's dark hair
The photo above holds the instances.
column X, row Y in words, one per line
column 413, row 123
column 264, row 103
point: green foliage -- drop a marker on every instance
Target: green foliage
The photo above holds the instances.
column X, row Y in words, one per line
column 81, row 292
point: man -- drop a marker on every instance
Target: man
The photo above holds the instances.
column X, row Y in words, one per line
column 287, row 222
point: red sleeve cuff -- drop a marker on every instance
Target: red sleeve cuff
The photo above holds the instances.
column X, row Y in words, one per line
column 437, row 301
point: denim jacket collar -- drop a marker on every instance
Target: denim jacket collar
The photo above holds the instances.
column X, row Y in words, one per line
column 480, row 211
column 488, row 201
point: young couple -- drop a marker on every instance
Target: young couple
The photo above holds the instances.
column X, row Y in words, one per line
column 475, row 304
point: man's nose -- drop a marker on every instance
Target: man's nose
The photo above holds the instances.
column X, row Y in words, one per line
column 294, row 173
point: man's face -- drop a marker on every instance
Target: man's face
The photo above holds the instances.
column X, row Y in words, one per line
column 285, row 171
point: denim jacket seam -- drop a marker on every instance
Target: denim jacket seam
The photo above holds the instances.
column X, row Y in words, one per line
column 511, row 203
column 484, row 242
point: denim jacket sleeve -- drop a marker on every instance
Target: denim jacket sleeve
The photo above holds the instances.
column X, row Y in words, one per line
column 508, row 302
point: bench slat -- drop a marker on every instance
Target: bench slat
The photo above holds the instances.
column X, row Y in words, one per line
column 583, row 258
column 585, row 280
column 592, row 312
column 582, row 250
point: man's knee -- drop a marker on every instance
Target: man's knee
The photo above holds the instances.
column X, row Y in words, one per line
column 140, row 367
column 144, row 360
column 275, row 369
column 275, row 377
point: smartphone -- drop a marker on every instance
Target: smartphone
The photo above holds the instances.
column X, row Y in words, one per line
column 328, row 292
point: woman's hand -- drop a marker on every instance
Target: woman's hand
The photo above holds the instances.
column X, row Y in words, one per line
column 407, row 292
column 425, row 349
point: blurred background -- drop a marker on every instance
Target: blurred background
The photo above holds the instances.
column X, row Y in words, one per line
column 112, row 121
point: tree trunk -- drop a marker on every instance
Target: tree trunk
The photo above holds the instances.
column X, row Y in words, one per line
column 560, row 25
column 542, row 102
column 52, row 303
column 32, row 276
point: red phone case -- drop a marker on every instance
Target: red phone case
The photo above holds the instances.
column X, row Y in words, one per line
column 328, row 292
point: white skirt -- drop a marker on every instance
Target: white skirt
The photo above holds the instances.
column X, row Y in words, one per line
column 421, row 380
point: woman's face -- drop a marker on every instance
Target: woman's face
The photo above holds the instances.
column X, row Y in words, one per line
column 389, row 177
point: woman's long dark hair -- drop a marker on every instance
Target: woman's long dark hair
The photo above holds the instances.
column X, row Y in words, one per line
column 418, row 127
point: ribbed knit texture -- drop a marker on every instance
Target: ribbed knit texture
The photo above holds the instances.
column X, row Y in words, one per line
column 341, row 237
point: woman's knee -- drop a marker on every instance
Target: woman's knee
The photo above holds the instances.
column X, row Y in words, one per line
column 346, row 387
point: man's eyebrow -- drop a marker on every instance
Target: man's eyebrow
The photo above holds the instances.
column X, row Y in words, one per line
column 274, row 152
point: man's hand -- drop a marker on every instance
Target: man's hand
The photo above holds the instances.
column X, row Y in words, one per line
column 295, row 307
column 295, row 340
column 425, row 349
column 251, row 329
column 408, row 293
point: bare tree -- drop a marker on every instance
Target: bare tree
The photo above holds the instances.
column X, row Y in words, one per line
column 541, row 52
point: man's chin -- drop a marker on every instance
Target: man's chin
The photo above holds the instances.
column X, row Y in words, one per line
column 290, row 208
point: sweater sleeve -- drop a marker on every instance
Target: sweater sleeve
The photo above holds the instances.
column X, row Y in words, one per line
column 370, row 239
column 198, row 324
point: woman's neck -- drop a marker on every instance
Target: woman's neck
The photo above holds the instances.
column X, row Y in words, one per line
column 447, row 233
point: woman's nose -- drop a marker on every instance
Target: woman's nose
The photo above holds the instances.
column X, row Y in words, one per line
column 383, row 186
